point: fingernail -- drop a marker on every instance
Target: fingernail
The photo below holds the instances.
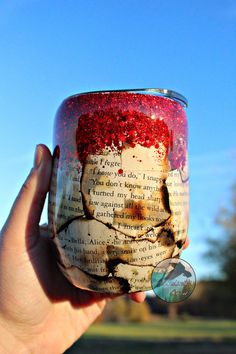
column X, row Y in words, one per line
column 38, row 156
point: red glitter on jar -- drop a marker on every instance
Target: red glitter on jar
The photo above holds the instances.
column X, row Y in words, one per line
column 114, row 119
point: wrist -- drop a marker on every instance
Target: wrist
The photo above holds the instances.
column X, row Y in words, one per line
column 9, row 343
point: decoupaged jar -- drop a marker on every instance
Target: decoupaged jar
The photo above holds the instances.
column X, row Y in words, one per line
column 118, row 203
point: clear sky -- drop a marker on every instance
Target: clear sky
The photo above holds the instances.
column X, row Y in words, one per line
column 52, row 49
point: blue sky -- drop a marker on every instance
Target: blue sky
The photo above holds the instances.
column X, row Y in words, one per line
column 52, row 49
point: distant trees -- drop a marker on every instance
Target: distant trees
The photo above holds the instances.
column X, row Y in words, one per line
column 123, row 309
column 223, row 252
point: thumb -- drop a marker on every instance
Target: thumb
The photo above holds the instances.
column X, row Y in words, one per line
column 25, row 214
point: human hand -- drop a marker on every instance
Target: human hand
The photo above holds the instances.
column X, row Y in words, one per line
column 40, row 311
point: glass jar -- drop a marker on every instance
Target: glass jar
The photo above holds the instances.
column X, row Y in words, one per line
column 118, row 202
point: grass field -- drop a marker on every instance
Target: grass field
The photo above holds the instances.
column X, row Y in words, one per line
column 166, row 330
column 160, row 337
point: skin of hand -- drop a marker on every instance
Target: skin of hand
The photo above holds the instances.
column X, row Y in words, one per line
column 40, row 311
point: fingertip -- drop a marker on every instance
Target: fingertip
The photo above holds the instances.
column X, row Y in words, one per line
column 186, row 244
column 45, row 153
column 44, row 169
column 138, row 297
column 27, row 208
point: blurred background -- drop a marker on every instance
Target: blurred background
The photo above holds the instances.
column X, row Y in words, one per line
column 53, row 49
